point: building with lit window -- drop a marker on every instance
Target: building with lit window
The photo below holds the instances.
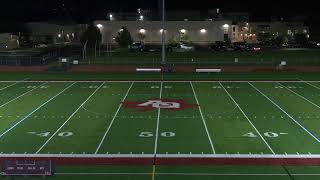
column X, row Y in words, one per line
column 200, row 32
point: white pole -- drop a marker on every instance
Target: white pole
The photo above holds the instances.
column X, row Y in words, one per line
column 163, row 34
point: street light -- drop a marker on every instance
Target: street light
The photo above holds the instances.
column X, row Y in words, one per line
column 99, row 26
column 203, row 31
column 111, row 17
column 141, row 18
column 142, row 31
column 163, row 37
column 226, row 26
column 183, row 31
column 59, row 35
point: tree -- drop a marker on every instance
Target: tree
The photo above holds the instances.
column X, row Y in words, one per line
column 92, row 35
column 301, row 39
column 280, row 40
column 124, row 37
column 141, row 36
column 264, row 37
column 172, row 41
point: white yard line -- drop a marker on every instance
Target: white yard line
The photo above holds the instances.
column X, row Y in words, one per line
column 310, row 84
column 114, row 117
column 158, row 122
column 48, row 140
column 22, row 95
column 1, row 135
column 187, row 174
column 245, row 115
column 203, row 120
column 306, row 99
column 14, row 83
column 294, row 120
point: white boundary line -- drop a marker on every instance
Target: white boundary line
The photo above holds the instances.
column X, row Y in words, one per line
column 245, row 115
column 158, row 122
column 1, row 135
column 14, row 83
column 208, row 156
column 294, row 120
column 22, row 95
column 178, row 81
column 48, row 140
column 186, row 174
column 203, row 120
column 114, row 117
column 304, row 98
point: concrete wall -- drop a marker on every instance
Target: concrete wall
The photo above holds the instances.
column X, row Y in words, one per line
column 214, row 30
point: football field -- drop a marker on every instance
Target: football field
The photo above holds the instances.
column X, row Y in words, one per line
column 160, row 117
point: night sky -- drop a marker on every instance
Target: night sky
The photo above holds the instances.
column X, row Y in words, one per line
column 86, row 10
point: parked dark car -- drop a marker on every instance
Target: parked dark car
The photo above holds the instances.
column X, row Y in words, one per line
column 221, row 46
column 136, row 46
column 244, row 47
column 181, row 47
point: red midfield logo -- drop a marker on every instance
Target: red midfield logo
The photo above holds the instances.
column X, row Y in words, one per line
column 152, row 104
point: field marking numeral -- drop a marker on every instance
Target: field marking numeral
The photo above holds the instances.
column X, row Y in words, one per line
column 65, row 134
column 163, row 134
column 266, row 134
column 271, row 134
column 34, row 87
column 47, row 134
column 168, row 134
column 250, row 134
column 145, row 134
column 289, row 87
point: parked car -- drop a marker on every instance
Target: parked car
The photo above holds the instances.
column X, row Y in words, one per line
column 244, row 47
column 152, row 48
column 181, row 47
column 221, row 46
column 136, row 46
column 41, row 46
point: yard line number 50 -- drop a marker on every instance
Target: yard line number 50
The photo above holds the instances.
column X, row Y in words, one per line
column 163, row 134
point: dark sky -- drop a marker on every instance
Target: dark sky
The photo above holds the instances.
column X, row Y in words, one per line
column 84, row 10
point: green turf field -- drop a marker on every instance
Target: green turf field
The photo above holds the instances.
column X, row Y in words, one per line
column 160, row 117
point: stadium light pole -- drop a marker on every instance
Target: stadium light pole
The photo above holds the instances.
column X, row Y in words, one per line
column 163, row 34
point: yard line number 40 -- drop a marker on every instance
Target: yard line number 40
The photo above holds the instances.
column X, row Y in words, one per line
column 266, row 134
column 46, row 134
